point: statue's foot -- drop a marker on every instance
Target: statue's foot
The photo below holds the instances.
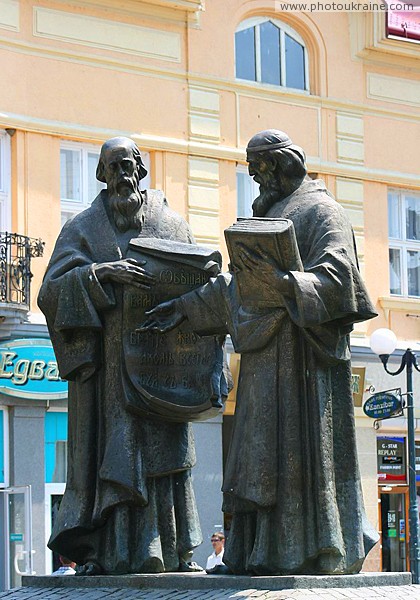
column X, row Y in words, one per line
column 190, row 567
column 219, row 570
column 89, row 568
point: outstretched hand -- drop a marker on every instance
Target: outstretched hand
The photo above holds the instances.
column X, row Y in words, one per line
column 164, row 317
column 264, row 268
column 126, row 271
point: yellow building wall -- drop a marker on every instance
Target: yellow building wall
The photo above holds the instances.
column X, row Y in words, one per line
column 164, row 75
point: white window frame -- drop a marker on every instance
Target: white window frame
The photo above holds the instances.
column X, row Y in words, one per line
column 402, row 244
column 254, row 186
column 85, row 148
column 5, row 177
column 284, row 28
column 5, row 411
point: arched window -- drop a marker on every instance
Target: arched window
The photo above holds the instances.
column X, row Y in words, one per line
column 268, row 51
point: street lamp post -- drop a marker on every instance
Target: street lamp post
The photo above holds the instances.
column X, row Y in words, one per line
column 383, row 342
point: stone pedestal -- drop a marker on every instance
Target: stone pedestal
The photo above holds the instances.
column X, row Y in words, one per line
column 200, row 581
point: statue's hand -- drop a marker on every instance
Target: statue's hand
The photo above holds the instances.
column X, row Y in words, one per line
column 164, row 317
column 265, row 268
column 128, row 271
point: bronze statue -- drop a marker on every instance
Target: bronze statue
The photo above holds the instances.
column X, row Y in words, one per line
column 292, row 480
column 129, row 505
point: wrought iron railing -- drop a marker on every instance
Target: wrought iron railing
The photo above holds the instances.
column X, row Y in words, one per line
column 16, row 252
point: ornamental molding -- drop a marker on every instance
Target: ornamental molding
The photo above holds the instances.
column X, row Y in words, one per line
column 185, row 11
column 411, row 306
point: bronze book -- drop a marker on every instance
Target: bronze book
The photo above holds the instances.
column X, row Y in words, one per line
column 275, row 237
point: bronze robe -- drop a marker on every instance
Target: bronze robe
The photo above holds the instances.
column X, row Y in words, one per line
column 292, row 480
column 129, row 504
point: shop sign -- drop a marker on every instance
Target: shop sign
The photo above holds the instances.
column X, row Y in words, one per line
column 16, row 537
column 382, row 405
column 402, row 530
column 391, row 459
column 28, row 369
column 392, row 523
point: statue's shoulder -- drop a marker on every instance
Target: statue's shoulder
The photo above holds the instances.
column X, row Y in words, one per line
column 158, row 209
column 162, row 221
column 318, row 199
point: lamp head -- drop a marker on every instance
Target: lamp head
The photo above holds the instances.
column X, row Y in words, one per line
column 383, row 343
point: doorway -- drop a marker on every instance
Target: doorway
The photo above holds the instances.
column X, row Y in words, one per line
column 394, row 519
column 16, row 552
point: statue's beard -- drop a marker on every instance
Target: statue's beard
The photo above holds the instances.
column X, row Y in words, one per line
column 273, row 189
column 262, row 204
column 125, row 207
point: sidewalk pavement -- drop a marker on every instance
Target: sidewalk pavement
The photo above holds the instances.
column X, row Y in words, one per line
column 403, row 592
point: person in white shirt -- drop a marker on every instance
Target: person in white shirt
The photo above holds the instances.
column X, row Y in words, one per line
column 67, row 567
column 216, row 558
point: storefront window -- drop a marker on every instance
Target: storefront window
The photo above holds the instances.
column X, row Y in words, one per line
column 391, row 459
column 55, row 447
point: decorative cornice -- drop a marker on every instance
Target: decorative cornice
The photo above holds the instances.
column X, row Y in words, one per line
column 76, row 131
column 188, row 5
column 399, row 304
column 176, row 11
column 241, row 88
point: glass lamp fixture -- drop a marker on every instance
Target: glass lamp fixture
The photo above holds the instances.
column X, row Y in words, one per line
column 383, row 343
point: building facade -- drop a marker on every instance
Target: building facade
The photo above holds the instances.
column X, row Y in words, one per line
column 191, row 83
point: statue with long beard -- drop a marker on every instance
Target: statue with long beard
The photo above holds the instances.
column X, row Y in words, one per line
column 129, row 505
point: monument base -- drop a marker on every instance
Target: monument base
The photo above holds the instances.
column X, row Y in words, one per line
column 200, row 581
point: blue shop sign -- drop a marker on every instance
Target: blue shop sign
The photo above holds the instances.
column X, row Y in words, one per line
column 382, row 405
column 28, row 369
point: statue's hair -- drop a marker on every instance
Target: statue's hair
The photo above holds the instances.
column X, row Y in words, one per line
column 100, row 169
column 290, row 161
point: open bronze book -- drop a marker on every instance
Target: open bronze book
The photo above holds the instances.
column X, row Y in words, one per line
column 176, row 376
column 275, row 237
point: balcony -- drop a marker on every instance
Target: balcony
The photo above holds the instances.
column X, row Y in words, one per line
column 16, row 252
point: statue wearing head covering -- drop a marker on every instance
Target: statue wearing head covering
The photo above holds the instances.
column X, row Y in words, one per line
column 291, row 481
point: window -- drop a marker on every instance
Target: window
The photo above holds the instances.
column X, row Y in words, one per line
column 403, row 25
column 78, row 183
column 268, row 51
column 247, row 190
column 55, row 447
column 5, row 211
column 404, row 242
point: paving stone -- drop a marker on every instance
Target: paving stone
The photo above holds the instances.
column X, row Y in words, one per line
column 378, row 593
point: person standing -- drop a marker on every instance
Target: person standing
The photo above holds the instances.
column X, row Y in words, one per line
column 216, row 558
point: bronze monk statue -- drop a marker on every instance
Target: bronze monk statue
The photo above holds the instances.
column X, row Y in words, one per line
column 129, row 505
column 292, row 479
